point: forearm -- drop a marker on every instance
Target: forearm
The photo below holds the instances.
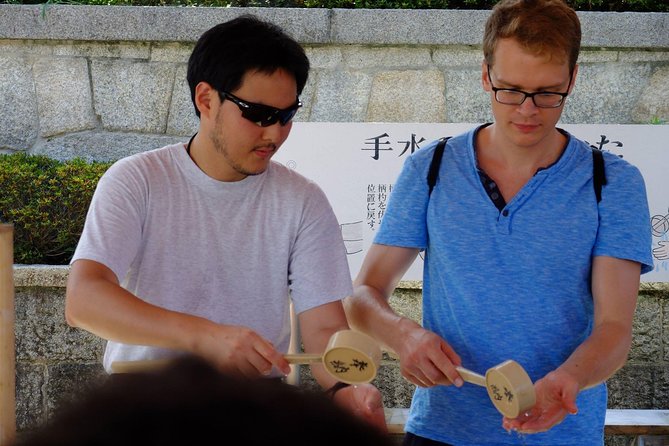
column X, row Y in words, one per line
column 600, row 356
column 369, row 311
column 111, row 312
column 615, row 285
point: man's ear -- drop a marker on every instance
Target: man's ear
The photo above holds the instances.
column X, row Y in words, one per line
column 485, row 81
column 573, row 78
column 205, row 98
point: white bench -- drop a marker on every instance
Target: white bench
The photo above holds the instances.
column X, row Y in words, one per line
column 640, row 423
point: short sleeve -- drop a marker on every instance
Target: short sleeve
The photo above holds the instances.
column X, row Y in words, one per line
column 624, row 220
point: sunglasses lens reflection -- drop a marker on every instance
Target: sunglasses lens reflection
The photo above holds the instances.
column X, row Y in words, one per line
column 266, row 116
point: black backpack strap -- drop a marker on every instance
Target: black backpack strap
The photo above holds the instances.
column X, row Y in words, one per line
column 598, row 173
column 433, row 173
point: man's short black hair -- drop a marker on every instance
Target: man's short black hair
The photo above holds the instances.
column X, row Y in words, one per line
column 226, row 52
column 190, row 402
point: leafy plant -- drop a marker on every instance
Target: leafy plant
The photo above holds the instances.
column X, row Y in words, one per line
column 46, row 200
column 579, row 5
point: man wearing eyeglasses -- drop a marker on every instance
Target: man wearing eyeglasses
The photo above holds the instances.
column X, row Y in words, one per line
column 198, row 248
column 522, row 262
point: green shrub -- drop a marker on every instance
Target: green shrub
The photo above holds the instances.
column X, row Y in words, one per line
column 46, row 200
column 579, row 5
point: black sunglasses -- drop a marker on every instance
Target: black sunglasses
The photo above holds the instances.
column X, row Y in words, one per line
column 260, row 114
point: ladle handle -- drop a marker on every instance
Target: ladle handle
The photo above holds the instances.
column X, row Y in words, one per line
column 471, row 377
column 154, row 364
column 303, row 358
column 467, row 375
column 138, row 366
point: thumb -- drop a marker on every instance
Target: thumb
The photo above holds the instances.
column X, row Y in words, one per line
column 569, row 401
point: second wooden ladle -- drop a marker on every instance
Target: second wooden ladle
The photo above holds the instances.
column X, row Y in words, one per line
column 509, row 387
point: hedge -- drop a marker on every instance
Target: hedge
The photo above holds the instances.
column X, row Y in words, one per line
column 579, row 5
column 46, row 200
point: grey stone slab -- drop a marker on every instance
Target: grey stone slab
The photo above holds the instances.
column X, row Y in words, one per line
column 307, row 98
column 18, row 120
column 132, row 96
column 665, row 331
column 42, row 333
column 396, row 390
column 171, row 52
column 455, row 57
column 653, row 103
column 51, row 276
column 324, row 57
column 147, row 23
column 644, row 56
column 64, row 99
column 619, row 440
column 341, row 96
column 625, row 29
column 406, row 26
column 102, row 146
column 647, row 331
column 92, row 49
column 632, row 387
column 71, row 381
column 307, row 25
column 661, row 394
column 359, row 57
column 598, row 56
column 30, row 382
column 606, row 93
column 466, row 101
column 182, row 119
column 407, row 96
column 408, row 302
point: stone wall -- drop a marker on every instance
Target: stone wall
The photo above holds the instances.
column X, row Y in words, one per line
column 55, row 362
column 103, row 82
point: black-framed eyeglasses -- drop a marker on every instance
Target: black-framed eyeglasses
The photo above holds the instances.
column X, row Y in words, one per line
column 260, row 114
column 541, row 99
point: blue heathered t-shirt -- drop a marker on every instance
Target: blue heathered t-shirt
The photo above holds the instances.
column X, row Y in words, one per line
column 513, row 284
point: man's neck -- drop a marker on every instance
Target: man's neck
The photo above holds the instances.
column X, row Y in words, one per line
column 494, row 152
column 510, row 165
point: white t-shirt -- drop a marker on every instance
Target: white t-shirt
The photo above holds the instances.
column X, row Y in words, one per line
column 231, row 252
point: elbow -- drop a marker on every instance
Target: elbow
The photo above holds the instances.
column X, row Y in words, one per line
column 70, row 309
column 349, row 310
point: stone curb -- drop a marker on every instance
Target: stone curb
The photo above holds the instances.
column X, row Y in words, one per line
column 307, row 25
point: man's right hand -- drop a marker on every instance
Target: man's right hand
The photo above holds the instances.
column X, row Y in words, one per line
column 425, row 358
column 240, row 350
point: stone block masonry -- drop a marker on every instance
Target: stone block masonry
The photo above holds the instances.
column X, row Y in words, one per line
column 103, row 82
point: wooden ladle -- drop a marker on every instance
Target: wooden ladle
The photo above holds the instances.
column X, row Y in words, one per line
column 509, row 387
column 350, row 356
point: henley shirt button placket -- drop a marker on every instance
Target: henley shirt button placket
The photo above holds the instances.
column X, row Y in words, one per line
column 504, row 223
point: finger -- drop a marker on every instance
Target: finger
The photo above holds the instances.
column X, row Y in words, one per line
column 259, row 365
column 445, row 372
column 416, row 378
column 271, row 357
column 542, row 423
column 568, row 400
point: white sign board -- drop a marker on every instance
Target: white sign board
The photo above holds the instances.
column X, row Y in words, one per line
column 356, row 165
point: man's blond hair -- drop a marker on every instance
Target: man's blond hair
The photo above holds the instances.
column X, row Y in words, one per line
column 543, row 27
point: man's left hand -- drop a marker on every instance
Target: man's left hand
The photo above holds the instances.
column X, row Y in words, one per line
column 556, row 398
column 364, row 401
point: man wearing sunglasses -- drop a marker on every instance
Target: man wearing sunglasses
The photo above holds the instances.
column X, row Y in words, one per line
column 522, row 260
column 199, row 248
